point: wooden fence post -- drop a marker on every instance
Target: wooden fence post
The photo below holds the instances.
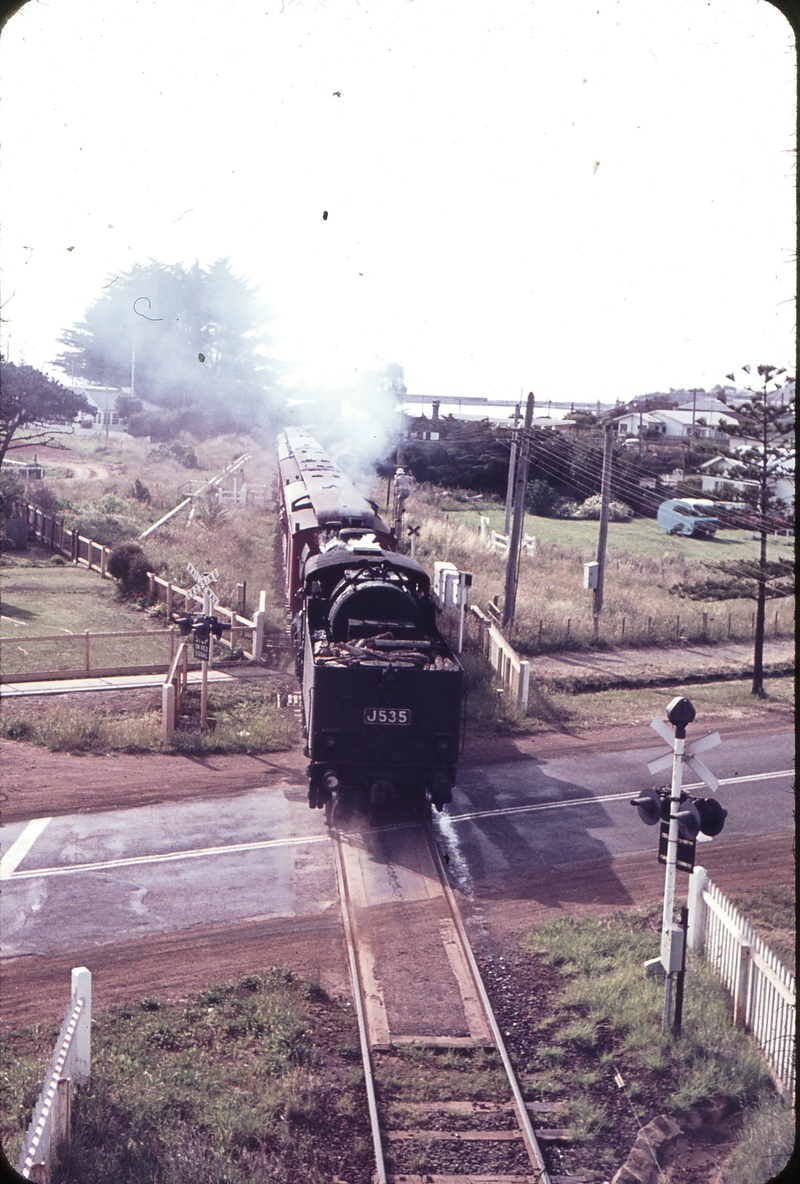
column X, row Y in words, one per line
column 151, row 587
column 524, row 686
column 742, row 985
column 62, row 1107
column 698, row 910
column 167, row 712
column 103, row 561
column 86, row 650
column 169, row 599
column 82, row 1057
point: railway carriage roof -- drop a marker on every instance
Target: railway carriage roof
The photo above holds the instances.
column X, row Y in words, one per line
column 312, row 481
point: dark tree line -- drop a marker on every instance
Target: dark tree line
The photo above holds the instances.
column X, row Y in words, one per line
column 475, row 456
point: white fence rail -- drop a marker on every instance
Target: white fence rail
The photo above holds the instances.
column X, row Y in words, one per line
column 764, row 992
column 69, row 1066
column 512, row 670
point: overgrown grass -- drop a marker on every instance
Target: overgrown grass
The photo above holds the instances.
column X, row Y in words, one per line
column 245, row 719
column 612, row 1012
column 554, row 611
column 223, row 1088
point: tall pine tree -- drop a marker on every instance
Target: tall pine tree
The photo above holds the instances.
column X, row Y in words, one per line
column 192, row 341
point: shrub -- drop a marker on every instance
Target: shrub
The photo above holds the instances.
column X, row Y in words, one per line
column 140, row 492
column 541, row 499
column 45, row 498
column 11, row 487
column 15, row 534
column 617, row 511
column 129, row 565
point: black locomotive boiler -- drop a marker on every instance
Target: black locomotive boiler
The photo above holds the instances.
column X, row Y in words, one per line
column 381, row 688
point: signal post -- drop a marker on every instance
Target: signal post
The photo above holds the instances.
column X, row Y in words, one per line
column 685, row 817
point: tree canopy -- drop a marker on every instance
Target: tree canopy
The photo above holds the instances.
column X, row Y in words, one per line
column 191, row 340
column 30, row 400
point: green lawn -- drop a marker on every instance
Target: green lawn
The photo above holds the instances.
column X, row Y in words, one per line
column 40, row 598
column 639, row 537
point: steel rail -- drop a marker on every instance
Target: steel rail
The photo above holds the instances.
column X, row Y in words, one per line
column 355, row 975
column 529, row 1137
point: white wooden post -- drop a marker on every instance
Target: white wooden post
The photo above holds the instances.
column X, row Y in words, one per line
column 698, row 910
column 167, row 712
column 82, row 1056
column 258, row 634
column 742, row 983
column 524, row 685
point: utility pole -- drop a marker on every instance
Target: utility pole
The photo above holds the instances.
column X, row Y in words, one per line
column 605, row 495
column 511, row 471
column 512, row 571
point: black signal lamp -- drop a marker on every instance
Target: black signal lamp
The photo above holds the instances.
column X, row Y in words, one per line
column 202, row 628
column 650, row 806
column 712, row 816
column 688, row 821
column 184, row 622
column 680, row 712
column 218, row 626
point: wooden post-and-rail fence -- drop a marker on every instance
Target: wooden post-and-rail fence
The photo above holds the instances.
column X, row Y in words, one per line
column 85, row 552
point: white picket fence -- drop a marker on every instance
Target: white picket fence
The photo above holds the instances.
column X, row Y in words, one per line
column 512, row 670
column 69, row 1066
column 763, row 990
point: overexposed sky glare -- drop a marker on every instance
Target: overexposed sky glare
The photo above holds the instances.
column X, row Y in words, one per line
column 590, row 200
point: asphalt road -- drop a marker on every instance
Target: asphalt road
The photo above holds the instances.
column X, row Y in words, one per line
column 84, row 880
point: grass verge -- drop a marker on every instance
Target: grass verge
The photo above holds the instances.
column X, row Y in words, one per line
column 244, row 1082
column 244, row 718
column 605, row 1017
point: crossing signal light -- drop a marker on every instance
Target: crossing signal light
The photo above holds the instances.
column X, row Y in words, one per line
column 202, row 629
column 695, row 815
column 218, row 626
column 712, row 816
column 184, row 622
column 650, row 804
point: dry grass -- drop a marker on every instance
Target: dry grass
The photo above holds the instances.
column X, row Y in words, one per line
column 554, row 611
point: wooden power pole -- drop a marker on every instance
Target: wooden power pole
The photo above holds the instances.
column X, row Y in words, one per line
column 605, row 495
column 512, row 568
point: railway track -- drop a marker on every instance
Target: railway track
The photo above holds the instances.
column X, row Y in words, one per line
column 445, row 1104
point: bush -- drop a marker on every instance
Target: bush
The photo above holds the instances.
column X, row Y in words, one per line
column 140, row 492
column 617, row 511
column 15, row 534
column 541, row 499
column 11, row 487
column 129, row 565
column 45, row 498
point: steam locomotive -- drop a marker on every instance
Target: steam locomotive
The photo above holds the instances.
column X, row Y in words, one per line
column 381, row 688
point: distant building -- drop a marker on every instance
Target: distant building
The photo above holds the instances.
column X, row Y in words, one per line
column 677, row 423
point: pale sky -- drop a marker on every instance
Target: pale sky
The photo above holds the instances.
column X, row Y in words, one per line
column 589, row 200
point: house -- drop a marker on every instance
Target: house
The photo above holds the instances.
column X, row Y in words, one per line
column 675, row 423
column 719, row 474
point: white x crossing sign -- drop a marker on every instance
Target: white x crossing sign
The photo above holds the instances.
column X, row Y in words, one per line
column 690, row 754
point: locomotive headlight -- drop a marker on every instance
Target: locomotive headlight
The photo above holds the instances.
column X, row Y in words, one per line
column 330, row 739
column 443, row 745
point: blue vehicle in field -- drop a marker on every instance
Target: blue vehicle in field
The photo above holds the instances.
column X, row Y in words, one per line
column 690, row 517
